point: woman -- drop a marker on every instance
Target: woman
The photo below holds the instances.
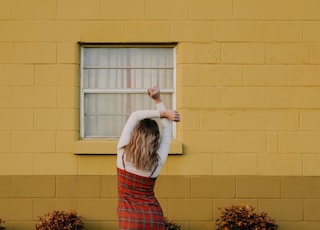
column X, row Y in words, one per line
column 141, row 153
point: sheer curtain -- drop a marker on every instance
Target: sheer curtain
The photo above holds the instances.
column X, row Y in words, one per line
column 114, row 82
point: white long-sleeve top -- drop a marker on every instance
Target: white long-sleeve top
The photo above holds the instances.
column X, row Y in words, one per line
column 165, row 139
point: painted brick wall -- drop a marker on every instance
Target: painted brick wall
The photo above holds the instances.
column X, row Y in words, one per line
column 248, row 88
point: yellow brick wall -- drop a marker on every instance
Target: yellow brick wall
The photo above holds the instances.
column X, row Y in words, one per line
column 248, row 89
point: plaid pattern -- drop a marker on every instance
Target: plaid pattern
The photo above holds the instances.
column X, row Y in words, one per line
column 137, row 206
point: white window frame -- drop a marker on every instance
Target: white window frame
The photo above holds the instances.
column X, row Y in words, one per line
column 84, row 91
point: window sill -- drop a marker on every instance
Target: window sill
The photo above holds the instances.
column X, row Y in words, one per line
column 109, row 146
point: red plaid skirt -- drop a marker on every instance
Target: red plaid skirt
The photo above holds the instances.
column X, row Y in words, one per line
column 137, row 206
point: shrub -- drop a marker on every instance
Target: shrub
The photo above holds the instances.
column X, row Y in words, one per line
column 2, row 222
column 171, row 225
column 244, row 217
column 60, row 220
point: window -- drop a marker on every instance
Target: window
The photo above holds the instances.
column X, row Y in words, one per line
column 114, row 79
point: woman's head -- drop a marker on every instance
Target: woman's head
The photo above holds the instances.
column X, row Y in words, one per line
column 144, row 142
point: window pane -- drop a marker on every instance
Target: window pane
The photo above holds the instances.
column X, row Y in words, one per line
column 108, row 71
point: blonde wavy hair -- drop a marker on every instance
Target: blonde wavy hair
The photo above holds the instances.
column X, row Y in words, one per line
column 144, row 142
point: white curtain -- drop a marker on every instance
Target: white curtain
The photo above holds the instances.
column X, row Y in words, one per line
column 114, row 83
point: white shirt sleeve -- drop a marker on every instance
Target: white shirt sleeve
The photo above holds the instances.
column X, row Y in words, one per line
column 165, row 140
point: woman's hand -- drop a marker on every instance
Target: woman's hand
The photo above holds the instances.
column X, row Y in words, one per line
column 171, row 115
column 154, row 93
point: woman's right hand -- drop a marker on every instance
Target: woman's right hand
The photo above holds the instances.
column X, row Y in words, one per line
column 154, row 93
column 171, row 115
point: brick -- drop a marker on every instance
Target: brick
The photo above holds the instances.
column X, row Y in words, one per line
column 16, row 75
column 282, row 209
column 5, row 189
column 5, row 141
column 106, row 225
column 31, row 52
column 299, row 142
column 16, row 119
column 203, row 142
column 6, row 31
column 215, row 186
column 298, row 187
column 243, row 97
column 311, row 31
column 210, row 9
column 194, row 164
column 6, row 54
column 272, row 142
column 191, row 120
column 243, row 53
column 5, row 9
column 235, row 164
column 68, row 52
column 287, row 97
column 310, row 165
column 23, row 31
column 241, row 31
column 204, row 225
column 33, row 186
column 271, row 120
column 190, row 209
column 65, row 140
column 264, row 75
column 155, row 10
column 16, row 209
column 173, row 187
column 312, row 210
column 287, row 53
column 198, row 53
column 280, row 164
column 95, row 31
column 77, row 186
column 109, row 186
column 297, row 225
column 34, row 97
column 5, row 97
column 56, row 119
column 257, row 10
column 193, row 97
column 309, row 120
column 33, row 141
column 258, row 187
column 299, row 9
column 303, row 75
column 43, row 205
column 97, row 165
column 16, row 164
column 222, row 120
column 187, row 75
column 68, row 97
column 149, row 31
column 277, row 31
column 57, row 75
column 55, row 163
column 34, row 9
column 98, row 209
column 58, row 31
column 243, row 142
column 314, row 97
column 315, row 53
column 192, row 31
column 220, row 75
column 134, row 10
column 75, row 9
